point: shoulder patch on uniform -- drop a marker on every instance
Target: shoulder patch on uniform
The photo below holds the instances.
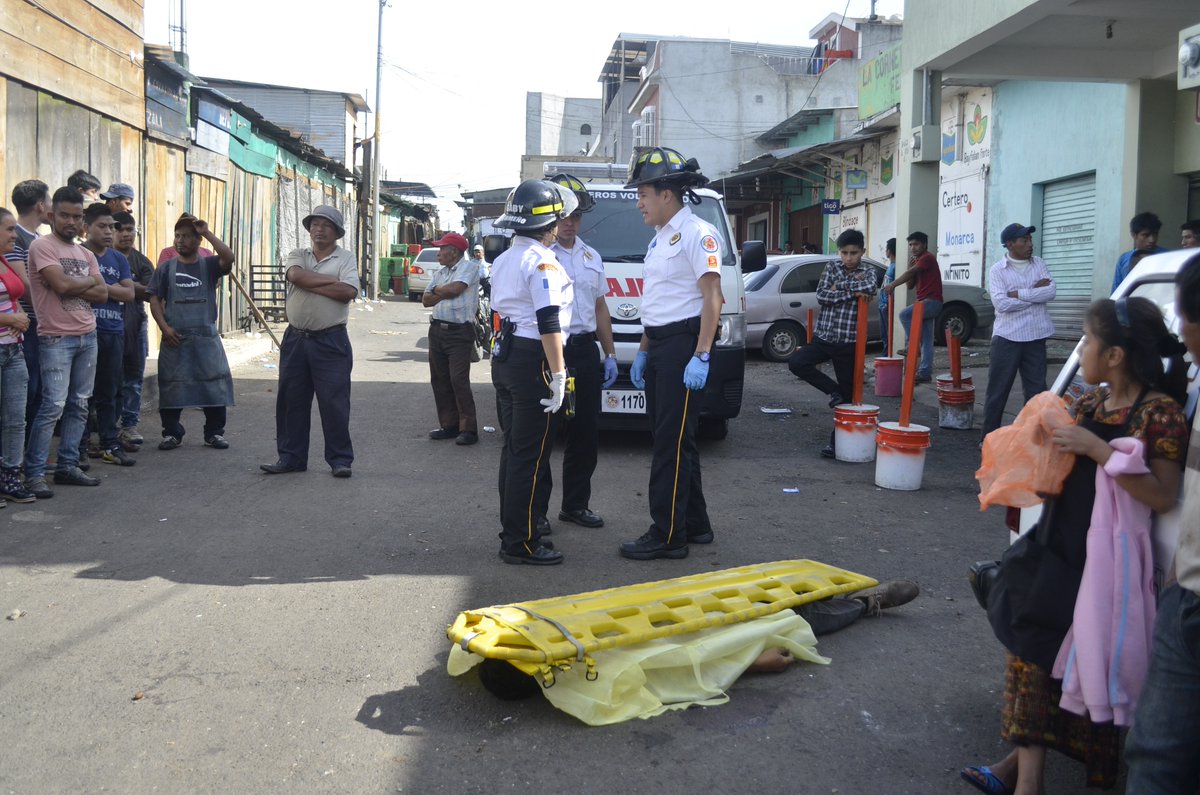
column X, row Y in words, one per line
column 709, row 243
column 713, row 262
column 675, row 238
column 547, row 266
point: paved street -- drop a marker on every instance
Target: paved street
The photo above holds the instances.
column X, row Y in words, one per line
column 194, row 625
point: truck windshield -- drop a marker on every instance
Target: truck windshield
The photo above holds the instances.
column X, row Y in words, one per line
column 615, row 227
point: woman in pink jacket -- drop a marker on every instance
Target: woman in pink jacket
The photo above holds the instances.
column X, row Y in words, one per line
column 1124, row 342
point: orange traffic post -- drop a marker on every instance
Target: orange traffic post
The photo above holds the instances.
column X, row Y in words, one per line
column 860, row 351
column 891, row 321
column 809, row 330
column 910, row 368
column 954, row 346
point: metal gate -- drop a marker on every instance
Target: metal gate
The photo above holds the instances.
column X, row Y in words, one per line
column 1068, row 244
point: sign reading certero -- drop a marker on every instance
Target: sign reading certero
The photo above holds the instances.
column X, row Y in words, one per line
column 879, row 83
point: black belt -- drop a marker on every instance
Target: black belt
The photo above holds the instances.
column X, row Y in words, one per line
column 689, row 326
column 318, row 332
column 447, row 324
column 586, row 338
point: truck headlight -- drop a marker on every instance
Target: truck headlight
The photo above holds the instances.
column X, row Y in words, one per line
column 732, row 331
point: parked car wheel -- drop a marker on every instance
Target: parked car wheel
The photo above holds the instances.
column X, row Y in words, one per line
column 960, row 319
column 781, row 340
column 414, row 296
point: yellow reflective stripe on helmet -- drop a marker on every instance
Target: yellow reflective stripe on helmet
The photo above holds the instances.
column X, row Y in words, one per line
column 547, row 208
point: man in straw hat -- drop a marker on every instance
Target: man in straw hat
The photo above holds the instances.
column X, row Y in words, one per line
column 315, row 356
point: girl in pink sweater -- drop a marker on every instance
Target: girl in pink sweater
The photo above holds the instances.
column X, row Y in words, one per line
column 1124, row 342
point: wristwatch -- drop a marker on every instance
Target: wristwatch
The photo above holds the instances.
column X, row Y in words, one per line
column 702, row 356
column 611, row 356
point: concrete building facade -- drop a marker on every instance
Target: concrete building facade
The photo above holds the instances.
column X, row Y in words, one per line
column 1090, row 125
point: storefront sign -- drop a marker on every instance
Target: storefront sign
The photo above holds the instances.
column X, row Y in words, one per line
column 879, row 83
column 831, row 207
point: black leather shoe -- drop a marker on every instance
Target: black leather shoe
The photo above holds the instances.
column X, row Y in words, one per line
column 74, row 477
column 543, row 527
column 342, row 471
column 700, row 536
column 836, row 399
column 828, row 452
column 443, row 433
column 467, row 437
column 582, row 517
column 542, row 555
column 279, row 468
column 649, row 547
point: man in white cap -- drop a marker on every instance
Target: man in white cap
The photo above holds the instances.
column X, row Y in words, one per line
column 315, row 356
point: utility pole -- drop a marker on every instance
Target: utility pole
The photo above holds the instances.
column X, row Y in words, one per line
column 376, row 165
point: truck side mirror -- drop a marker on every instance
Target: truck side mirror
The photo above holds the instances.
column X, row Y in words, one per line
column 494, row 246
column 754, row 256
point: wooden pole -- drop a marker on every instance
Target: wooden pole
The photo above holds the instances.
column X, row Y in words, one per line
column 254, row 308
column 809, row 330
column 860, row 350
column 910, row 368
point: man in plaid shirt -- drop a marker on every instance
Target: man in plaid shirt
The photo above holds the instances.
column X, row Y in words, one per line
column 833, row 338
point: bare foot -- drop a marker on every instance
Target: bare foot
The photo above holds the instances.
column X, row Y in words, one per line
column 771, row 661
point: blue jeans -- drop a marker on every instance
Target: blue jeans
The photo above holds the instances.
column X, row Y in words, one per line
column 14, row 380
column 1163, row 748
column 928, row 321
column 68, row 374
column 883, row 327
column 131, row 386
column 110, row 374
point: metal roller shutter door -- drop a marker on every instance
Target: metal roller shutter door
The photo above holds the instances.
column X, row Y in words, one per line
column 1068, row 238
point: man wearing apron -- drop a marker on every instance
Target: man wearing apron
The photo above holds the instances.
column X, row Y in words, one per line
column 192, row 368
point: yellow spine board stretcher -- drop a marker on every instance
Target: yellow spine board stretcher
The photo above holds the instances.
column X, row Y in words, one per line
column 542, row 635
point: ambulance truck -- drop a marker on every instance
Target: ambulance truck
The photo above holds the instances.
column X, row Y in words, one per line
column 615, row 228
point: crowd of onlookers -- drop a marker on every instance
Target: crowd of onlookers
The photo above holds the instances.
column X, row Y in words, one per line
column 73, row 332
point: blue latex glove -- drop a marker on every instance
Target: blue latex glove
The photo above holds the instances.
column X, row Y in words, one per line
column 610, row 373
column 637, row 372
column 696, row 374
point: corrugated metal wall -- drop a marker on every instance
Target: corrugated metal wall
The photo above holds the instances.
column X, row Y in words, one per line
column 323, row 116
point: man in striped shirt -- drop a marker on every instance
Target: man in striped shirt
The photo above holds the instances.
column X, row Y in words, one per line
column 1021, row 288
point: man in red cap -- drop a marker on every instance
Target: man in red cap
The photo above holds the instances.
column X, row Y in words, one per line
column 453, row 293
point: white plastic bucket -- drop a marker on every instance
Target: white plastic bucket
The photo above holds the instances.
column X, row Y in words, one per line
column 854, row 432
column 900, row 463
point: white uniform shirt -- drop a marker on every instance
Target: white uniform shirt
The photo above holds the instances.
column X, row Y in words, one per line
column 527, row 278
column 681, row 252
column 585, row 269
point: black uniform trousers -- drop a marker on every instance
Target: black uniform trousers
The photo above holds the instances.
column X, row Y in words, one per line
column 582, row 431
column 314, row 363
column 524, row 481
column 677, row 505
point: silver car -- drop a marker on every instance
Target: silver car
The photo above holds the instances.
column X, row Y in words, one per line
column 420, row 272
column 779, row 296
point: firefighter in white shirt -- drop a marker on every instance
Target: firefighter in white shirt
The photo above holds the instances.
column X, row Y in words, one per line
column 590, row 323
column 681, row 309
column 531, row 294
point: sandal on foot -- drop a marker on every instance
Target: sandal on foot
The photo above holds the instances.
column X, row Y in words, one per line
column 983, row 779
